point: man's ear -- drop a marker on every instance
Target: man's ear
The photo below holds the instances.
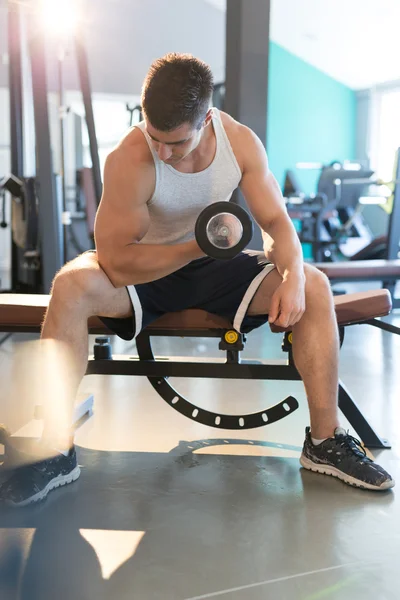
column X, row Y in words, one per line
column 208, row 118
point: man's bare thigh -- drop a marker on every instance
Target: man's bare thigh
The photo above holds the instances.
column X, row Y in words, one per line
column 262, row 298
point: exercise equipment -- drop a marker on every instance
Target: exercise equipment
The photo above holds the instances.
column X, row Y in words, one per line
column 134, row 111
column 25, row 312
column 24, row 228
column 332, row 221
column 34, row 269
column 223, row 229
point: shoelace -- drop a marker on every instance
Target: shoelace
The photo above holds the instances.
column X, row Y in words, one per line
column 353, row 445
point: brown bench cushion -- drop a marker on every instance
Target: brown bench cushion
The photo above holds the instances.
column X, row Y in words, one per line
column 25, row 312
column 361, row 269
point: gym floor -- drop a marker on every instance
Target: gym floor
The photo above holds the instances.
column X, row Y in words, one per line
column 168, row 509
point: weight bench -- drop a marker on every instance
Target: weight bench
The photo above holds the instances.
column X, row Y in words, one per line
column 387, row 271
column 25, row 313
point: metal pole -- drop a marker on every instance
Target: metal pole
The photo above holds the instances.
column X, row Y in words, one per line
column 246, row 86
column 394, row 220
column 15, row 78
column 61, row 116
column 50, row 229
column 87, row 101
column 16, row 115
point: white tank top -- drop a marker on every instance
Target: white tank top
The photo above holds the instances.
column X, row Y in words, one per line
column 179, row 198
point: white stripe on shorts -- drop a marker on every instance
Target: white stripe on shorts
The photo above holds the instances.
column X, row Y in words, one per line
column 137, row 308
column 249, row 295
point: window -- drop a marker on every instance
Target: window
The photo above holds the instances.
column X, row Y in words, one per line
column 112, row 120
column 385, row 138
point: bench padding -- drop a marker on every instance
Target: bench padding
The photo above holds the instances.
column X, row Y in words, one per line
column 25, row 313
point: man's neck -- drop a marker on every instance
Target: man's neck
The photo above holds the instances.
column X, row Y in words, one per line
column 202, row 156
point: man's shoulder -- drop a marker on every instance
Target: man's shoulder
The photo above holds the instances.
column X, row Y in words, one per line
column 235, row 128
column 132, row 150
column 240, row 137
column 230, row 124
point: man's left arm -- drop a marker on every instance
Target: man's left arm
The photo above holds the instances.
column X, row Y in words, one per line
column 281, row 242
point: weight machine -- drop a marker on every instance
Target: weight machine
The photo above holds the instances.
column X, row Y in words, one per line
column 40, row 218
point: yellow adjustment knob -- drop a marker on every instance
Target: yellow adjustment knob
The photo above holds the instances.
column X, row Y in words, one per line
column 231, row 337
column 290, row 338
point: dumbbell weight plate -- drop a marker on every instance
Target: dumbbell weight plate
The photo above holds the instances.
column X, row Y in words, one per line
column 223, row 229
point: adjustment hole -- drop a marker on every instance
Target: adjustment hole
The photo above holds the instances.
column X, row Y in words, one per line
column 195, row 412
column 175, row 400
column 286, row 407
column 265, row 417
column 241, row 422
column 217, row 420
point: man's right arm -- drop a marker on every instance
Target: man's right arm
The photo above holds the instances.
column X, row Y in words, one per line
column 123, row 219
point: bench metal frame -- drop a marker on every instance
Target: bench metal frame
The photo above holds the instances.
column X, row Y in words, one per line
column 158, row 369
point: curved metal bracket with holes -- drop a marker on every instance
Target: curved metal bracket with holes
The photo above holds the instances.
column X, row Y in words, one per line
column 206, row 417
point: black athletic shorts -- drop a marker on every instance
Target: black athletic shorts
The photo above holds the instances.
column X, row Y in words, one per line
column 221, row 287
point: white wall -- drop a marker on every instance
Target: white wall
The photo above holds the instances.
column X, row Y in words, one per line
column 122, row 39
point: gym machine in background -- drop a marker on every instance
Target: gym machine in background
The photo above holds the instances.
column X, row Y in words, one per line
column 40, row 217
column 331, row 221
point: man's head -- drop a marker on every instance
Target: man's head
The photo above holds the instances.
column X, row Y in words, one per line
column 176, row 98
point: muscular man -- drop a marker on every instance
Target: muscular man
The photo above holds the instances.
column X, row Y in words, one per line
column 182, row 157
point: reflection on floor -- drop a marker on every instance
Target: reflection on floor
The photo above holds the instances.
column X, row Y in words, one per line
column 168, row 509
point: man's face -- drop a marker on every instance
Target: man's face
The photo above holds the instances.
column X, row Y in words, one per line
column 174, row 146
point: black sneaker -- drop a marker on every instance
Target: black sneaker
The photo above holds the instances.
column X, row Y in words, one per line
column 344, row 457
column 32, row 482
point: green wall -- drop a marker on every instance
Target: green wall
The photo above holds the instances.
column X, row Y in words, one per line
column 311, row 117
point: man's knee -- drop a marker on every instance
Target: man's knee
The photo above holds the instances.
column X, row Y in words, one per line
column 80, row 280
column 317, row 285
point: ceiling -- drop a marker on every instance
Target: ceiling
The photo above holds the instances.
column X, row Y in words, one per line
column 354, row 41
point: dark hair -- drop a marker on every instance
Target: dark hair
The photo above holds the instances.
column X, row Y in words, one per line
column 177, row 89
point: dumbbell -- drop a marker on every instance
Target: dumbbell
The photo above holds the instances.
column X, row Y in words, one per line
column 223, row 229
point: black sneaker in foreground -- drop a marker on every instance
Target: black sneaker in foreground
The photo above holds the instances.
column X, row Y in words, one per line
column 32, row 482
column 344, row 457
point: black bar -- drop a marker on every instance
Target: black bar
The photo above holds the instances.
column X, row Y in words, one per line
column 15, row 88
column 394, row 220
column 16, row 115
column 357, row 420
column 247, row 55
column 385, row 326
column 61, row 123
column 169, row 368
column 246, row 83
column 50, row 228
column 87, row 101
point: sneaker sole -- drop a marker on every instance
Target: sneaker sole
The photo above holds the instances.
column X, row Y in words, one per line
column 52, row 485
column 333, row 472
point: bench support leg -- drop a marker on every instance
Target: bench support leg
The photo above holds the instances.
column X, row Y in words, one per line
column 357, row 420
